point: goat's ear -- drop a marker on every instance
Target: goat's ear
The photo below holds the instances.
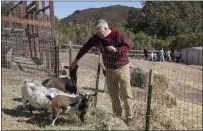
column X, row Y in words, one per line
column 94, row 94
column 80, row 94
column 66, row 67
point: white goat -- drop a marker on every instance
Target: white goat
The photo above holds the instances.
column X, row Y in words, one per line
column 35, row 94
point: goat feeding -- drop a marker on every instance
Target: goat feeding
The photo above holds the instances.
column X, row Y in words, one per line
column 70, row 105
column 35, row 94
column 65, row 84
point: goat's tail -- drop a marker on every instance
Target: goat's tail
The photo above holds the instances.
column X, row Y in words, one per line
column 44, row 83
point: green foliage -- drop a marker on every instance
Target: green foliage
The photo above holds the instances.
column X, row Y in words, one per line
column 77, row 33
column 186, row 41
column 167, row 22
column 130, row 36
column 6, row 7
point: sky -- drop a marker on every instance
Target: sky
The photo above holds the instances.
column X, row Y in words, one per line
column 65, row 8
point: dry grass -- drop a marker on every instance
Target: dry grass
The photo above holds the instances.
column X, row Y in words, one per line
column 167, row 111
column 176, row 73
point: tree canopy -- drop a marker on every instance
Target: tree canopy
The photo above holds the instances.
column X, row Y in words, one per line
column 174, row 22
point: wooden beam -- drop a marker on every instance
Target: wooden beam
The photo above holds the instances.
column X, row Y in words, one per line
column 13, row 29
column 31, row 10
column 52, row 13
column 24, row 21
column 43, row 9
column 30, row 5
column 22, row 9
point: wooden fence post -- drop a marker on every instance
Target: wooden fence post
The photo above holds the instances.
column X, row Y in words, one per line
column 70, row 51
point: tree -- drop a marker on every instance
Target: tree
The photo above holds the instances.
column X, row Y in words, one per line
column 163, row 19
column 6, row 7
column 168, row 20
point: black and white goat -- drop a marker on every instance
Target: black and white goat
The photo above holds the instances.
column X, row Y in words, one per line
column 70, row 105
column 65, row 84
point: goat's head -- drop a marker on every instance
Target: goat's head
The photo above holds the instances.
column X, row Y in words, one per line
column 85, row 102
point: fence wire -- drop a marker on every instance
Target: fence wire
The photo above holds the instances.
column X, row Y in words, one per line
column 28, row 52
column 176, row 92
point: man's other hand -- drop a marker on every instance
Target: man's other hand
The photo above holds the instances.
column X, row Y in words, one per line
column 111, row 48
column 73, row 64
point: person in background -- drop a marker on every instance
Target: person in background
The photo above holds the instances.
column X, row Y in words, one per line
column 152, row 56
column 146, row 53
column 114, row 48
column 168, row 53
column 176, row 56
column 161, row 54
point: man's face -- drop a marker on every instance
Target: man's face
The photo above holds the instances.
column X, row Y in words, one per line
column 101, row 32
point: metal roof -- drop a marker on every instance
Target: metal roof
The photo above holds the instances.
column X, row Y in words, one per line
column 198, row 48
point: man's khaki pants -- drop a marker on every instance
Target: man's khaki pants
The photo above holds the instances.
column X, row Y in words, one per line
column 120, row 76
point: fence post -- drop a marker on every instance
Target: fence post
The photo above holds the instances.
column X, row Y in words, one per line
column 97, row 80
column 149, row 100
column 56, row 67
column 70, row 51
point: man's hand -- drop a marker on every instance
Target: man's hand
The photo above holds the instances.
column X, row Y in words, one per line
column 111, row 48
column 73, row 64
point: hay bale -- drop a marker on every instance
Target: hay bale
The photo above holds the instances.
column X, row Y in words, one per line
column 140, row 79
column 160, row 82
column 159, row 118
column 106, row 120
column 165, row 99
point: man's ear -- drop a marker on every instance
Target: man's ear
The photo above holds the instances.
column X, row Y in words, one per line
column 105, row 28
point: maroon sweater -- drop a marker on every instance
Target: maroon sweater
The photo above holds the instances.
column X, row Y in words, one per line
column 111, row 60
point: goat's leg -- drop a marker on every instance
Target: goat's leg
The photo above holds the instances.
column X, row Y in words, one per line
column 56, row 112
column 31, row 109
column 24, row 101
column 53, row 122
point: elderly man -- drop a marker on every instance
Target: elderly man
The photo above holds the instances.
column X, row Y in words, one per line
column 115, row 50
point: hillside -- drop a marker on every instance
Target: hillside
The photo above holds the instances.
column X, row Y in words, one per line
column 113, row 14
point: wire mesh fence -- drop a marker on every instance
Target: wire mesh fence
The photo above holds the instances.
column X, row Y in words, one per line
column 29, row 51
column 176, row 95
column 28, row 37
column 176, row 92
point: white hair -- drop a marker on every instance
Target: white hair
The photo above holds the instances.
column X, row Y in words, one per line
column 101, row 23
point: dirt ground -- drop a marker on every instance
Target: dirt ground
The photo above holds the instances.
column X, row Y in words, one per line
column 185, row 84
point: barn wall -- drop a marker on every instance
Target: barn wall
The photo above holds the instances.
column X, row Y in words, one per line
column 184, row 55
column 200, row 57
column 192, row 56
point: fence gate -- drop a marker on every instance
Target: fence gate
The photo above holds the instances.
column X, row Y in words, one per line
column 28, row 38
